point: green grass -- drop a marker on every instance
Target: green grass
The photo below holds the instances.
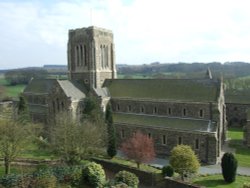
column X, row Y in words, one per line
column 10, row 91
column 14, row 169
column 130, row 163
column 14, row 91
column 218, row 181
column 242, row 153
column 33, row 152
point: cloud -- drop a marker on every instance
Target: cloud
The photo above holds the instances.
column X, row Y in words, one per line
column 144, row 31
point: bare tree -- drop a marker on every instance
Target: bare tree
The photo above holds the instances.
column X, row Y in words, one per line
column 13, row 139
column 140, row 148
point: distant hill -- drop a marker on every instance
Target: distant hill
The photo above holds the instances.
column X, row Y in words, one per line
column 228, row 70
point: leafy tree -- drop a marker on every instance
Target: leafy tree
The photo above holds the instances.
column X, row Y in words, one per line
column 140, row 148
column 111, row 148
column 75, row 140
column 13, row 138
column 229, row 166
column 184, row 161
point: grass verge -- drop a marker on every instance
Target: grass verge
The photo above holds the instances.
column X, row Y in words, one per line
column 242, row 153
column 218, row 181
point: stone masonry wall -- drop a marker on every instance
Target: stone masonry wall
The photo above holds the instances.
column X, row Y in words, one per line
column 247, row 134
column 174, row 109
column 207, row 142
column 236, row 114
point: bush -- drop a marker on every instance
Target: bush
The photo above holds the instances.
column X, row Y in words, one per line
column 93, row 174
column 246, row 185
column 45, row 182
column 128, row 178
column 229, row 166
column 11, row 180
column 167, row 171
column 69, row 175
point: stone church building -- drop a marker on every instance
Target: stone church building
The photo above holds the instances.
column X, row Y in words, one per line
column 170, row 111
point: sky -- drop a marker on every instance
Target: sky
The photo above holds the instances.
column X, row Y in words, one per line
column 35, row 32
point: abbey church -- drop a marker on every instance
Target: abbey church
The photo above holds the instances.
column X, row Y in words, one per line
column 170, row 111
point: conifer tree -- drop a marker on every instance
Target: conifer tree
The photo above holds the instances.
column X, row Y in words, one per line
column 111, row 147
column 229, row 166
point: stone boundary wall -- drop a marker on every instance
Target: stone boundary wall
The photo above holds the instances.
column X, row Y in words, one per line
column 33, row 162
column 145, row 178
column 170, row 183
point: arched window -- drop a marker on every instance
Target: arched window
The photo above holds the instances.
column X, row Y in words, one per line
column 142, row 109
column 180, row 140
column 169, row 111
column 58, row 105
column 197, row 143
column 81, row 55
column 77, row 56
column 155, row 110
column 85, row 55
column 184, row 112
column 164, row 140
column 129, row 108
column 201, row 113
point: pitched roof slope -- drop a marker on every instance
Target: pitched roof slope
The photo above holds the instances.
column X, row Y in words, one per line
column 165, row 122
column 71, row 90
column 203, row 90
column 40, row 86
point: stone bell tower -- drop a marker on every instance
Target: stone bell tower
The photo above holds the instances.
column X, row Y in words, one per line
column 91, row 56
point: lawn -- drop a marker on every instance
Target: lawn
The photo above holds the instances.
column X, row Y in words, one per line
column 32, row 151
column 218, row 181
column 242, row 153
column 10, row 91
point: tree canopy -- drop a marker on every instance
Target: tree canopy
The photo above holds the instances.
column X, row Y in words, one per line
column 139, row 148
column 184, row 161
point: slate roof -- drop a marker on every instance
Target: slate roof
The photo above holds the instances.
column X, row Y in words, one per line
column 174, row 123
column 237, row 96
column 45, row 86
column 40, row 86
column 71, row 90
column 203, row 90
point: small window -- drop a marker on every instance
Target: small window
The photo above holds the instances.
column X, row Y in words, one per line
column 197, row 144
column 235, row 108
column 58, row 105
column 164, row 139
column 179, row 140
column 149, row 135
column 184, row 112
column 123, row 133
column 62, row 104
column 142, row 109
column 117, row 107
column 155, row 110
column 129, row 108
column 86, row 81
column 201, row 113
column 169, row 111
column 54, row 106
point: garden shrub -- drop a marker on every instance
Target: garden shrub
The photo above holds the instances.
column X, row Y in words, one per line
column 45, row 182
column 229, row 166
column 69, row 175
column 93, row 174
column 246, row 185
column 128, row 178
column 168, row 171
column 10, row 180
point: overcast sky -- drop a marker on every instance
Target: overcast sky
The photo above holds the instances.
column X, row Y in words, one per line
column 35, row 32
